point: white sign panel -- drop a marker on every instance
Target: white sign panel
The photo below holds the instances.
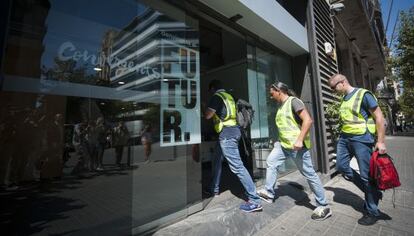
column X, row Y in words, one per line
column 180, row 95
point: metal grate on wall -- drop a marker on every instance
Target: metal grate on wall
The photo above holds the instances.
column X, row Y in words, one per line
column 321, row 31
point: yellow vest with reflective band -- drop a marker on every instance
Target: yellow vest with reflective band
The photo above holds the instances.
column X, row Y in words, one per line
column 230, row 119
column 289, row 129
column 353, row 121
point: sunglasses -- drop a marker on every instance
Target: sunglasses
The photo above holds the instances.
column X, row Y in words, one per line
column 334, row 86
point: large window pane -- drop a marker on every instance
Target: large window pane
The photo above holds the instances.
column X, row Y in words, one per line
column 99, row 116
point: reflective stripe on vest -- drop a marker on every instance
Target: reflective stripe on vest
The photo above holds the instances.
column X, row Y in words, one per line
column 353, row 121
column 289, row 129
column 230, row 118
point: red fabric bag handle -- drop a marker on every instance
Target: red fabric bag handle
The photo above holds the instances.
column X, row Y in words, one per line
column 372, row 165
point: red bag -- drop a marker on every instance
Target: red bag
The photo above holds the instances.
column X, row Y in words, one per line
column 383, row 172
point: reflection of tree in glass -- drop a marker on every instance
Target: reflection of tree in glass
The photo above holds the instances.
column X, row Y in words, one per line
column 132, row 110
column 149, row 114
column 71, row 71
column 113, row 109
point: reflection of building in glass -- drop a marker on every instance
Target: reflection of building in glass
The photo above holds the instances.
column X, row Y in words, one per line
column 135, row 54
column 107, row 42
column 133, row 60
column 33, row 30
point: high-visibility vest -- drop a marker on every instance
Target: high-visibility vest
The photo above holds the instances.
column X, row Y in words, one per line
column 353, row 121
column 230, row 118
column 289, row 129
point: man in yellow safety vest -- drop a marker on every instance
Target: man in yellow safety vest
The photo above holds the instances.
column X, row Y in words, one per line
column 222, row 109
column 293, row 123
column 362, row 118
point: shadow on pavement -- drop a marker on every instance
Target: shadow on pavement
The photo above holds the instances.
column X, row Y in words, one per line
column 346, row 197
column 229, row 181
column 295, row 191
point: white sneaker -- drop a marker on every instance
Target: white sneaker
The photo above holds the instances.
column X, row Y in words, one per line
column 265, row 195
column 321, row 213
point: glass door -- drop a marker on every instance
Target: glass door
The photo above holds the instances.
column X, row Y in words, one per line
column 264, row 68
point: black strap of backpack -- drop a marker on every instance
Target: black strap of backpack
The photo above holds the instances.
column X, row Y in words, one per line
column 243, row 139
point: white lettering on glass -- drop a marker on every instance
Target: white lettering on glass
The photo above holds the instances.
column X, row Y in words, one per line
column 68, row 51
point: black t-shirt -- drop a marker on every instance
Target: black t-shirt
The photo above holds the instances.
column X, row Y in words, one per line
column 217, row 105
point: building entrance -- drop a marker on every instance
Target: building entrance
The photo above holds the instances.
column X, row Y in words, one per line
column 246, row 71
column 222, row 57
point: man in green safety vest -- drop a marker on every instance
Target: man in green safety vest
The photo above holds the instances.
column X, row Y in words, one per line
column 222, row 110
column 293, row 123
column 362, row 118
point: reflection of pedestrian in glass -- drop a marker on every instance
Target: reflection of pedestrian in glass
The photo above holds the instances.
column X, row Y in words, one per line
column 80, row 144
column 96, row 143
column 91, row 141
column 120, row 139
column 101, row 135
column 293, row 122
column 146, row 140
column 8, row 137
column 222, row 109
column 23, row 157
column 52, row 167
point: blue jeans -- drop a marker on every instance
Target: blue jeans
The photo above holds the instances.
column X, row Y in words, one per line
column 346, row 149
column 229, row 149
column 303, row 161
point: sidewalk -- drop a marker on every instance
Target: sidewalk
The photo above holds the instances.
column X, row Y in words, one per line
column 290, row 213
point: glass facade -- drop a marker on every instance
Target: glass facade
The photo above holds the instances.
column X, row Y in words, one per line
column 93, row 91
column 101, row 128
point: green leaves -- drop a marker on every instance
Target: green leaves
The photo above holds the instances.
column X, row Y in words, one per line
column 403, row 62
column 333, row 122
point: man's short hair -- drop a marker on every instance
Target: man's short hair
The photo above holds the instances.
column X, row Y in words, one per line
column 216, row 84
column 339, row 77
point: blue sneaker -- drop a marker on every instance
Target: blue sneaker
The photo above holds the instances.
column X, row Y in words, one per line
column 250, row 207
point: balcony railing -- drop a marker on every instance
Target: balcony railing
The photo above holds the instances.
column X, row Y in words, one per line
column 372, row 10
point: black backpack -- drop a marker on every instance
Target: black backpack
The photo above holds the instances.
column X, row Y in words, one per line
column 245, row 113
column 244, row 117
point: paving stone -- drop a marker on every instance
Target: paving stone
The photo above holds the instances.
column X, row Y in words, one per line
column 288, row 216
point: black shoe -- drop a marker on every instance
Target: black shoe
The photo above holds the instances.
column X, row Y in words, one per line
column 368, row 219
column 210, row 194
